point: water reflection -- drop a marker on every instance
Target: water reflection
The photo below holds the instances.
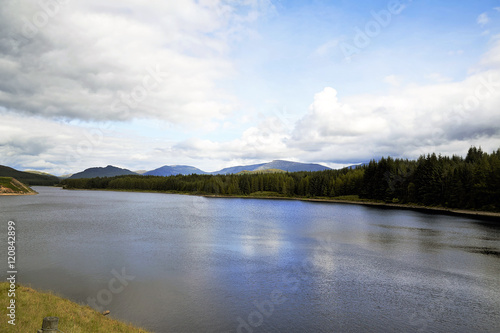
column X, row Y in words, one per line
column 202, row 265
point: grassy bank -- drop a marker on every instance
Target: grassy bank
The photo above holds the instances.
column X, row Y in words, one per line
column 32, row 306
column 11, row 186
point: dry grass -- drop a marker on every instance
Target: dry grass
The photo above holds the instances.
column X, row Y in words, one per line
column 32, row 306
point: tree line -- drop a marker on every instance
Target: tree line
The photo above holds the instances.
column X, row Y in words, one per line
column 472, row 182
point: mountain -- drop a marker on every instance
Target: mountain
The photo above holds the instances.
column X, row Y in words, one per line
column 237, row 169
column 172, row 170
column 39, row 173
column 292, row 166
column 276, row 164
column 27, row 177
column 109, row 171
column 11, row 186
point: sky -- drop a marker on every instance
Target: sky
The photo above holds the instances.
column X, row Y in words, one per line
column 219, row 83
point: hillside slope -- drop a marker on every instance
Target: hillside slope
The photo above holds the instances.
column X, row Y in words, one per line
column 276, row 164
column 109, row 171
column 11, row 186
column 292, row 166
column 28, row 177
column 172, row 170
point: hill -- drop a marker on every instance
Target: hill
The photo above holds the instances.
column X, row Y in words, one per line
column 11, row 186
column 237, row 169
column 39, row 173
column 172, row 170
column 109, row 171
column 276, row 164
column 28, row 177
column 292, row 166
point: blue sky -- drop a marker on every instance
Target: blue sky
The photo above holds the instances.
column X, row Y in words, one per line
column 217, row 83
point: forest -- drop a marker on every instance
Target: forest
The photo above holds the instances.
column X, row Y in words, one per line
column 472, row 182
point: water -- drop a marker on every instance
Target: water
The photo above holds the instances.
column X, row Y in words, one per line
column 174, row 263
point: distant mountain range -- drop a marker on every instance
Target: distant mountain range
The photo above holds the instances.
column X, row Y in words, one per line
column 172, row 170
column 109, row 171
column 38, row 178
column 276, row 164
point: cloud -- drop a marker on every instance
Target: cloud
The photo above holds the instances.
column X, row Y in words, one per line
column 443, row 116
column 106, row 61
column 410, row 122
column 265, row 141
column 66, row 76
column 437, row 77
column 393, row 80
column 483, row 19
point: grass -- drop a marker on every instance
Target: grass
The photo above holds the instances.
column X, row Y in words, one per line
column 8, row 182
column 32, row 306
column 14, row 185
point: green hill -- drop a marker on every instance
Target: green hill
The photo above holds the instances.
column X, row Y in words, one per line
column 39, row 173
column 28, row 178
column 11, row 186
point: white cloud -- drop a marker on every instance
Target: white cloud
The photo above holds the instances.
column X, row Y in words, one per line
column 437, row 77
column 444, row 117
column 414, row 121
column 393, row 80
column 59, row 85
column 483, row 19
column 94, row 60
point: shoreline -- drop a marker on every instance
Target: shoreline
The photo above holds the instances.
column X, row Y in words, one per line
column 494, row 216
column 31, row 306
column 483, row 215
column 13, row 194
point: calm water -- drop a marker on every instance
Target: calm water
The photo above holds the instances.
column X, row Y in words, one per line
column 173, row 263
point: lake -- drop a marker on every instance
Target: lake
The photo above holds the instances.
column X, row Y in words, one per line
column 177, row 263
